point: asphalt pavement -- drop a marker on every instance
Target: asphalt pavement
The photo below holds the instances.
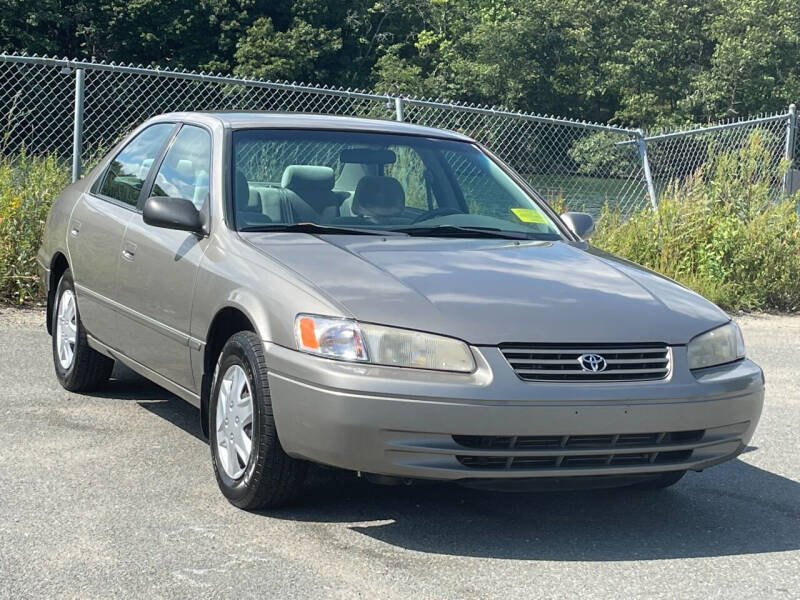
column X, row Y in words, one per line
column 112, row 495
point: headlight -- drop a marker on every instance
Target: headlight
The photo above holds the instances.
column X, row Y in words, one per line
column 718, row 346
column 346, row 339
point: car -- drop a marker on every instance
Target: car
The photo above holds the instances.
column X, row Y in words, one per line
column 387, row 299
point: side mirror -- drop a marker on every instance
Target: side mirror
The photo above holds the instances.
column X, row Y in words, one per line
column 581, row 224
column 172, row 213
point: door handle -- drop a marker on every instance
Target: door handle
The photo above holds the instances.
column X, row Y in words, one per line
column 128, row 250
column 75, row 228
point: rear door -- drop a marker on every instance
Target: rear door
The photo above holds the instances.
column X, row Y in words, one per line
column 97, row 227
column 159, row 266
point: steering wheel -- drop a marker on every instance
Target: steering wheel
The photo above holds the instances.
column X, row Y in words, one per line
column 436, row 212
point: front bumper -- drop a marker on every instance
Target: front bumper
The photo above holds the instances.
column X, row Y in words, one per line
column 409, row 423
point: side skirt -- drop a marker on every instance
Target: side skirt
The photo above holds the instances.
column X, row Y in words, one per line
column 145, row 372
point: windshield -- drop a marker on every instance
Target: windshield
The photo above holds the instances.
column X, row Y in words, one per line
column 345, row 182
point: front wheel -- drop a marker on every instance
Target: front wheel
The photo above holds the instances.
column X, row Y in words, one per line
column 252, row 469
column 79, row 368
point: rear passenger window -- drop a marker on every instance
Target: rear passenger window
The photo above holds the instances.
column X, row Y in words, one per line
column 127, row 172
column 184, row 172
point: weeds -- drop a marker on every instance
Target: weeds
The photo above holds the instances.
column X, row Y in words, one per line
column 721, row 232
column 27, row 188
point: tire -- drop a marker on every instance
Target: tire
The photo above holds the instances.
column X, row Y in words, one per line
column 664, row 480
column 267, row 477
column 79, row 368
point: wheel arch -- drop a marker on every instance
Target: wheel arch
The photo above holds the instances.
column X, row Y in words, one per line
column 58, row 265
column 227, row 321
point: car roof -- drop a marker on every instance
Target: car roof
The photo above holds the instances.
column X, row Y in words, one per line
column 276, row 120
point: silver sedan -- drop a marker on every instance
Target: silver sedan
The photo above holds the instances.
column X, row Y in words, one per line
column 384, row 298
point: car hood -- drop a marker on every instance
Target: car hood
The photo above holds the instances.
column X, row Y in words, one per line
column 489, row 291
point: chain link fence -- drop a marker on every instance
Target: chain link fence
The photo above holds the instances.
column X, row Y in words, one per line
column 674, row 156
column 79, row 109
column 556, row 155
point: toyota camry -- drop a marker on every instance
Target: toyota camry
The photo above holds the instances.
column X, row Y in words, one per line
column 384, row 298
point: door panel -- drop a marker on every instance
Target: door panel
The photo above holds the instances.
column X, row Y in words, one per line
column 158, row 266
column 157, row 273
column 94, row 240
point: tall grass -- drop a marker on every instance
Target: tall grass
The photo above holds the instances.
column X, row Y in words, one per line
column 722, row 233
column 28, row 186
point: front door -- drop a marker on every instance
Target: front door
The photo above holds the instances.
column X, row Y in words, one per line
column 158, row 270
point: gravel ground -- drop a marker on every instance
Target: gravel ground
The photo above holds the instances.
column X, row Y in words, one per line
column 112, row 495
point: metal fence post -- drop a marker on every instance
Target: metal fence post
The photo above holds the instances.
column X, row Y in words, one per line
column 77, row 125
column 791, row 133
column 648, row 177
column 398, row 109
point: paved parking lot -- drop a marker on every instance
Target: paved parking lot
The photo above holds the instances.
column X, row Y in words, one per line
column 112, row 495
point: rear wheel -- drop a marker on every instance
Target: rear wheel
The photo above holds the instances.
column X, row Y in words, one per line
column 664, row 480
column 79, row 368
column 252, row 469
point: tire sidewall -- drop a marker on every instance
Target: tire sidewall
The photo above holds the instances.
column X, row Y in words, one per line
column 234, row 353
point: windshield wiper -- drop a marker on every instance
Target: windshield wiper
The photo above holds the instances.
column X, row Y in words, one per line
column 315, row 228
column 460, row 231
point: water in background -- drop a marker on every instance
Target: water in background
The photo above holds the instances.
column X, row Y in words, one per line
column 589, row 194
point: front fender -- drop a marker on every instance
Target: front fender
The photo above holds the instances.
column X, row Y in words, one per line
column 233, row 274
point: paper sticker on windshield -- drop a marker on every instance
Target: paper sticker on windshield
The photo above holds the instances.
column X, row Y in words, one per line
column 529, row 215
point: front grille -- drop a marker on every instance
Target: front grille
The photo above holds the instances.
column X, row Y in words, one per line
column 560, row 362
column 607, row 450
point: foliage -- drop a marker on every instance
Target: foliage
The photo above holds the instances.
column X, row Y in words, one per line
column 645, row 63
column 174, row 33
column 720, row 232
column 753, row 64
column 27, row 188
column 599, row 154
column 301, row 53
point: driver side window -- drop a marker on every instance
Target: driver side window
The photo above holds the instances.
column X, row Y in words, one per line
column 184, row 172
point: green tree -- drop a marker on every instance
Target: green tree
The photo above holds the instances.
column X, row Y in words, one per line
column 191, row 34
column 301, row 53
column 755, row 64
column 632, row 62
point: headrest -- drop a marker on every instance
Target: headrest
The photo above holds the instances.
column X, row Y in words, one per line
column 307, row 177
column 241, row 192
column 185, row 168
column 378, row 196
column 144, row 168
